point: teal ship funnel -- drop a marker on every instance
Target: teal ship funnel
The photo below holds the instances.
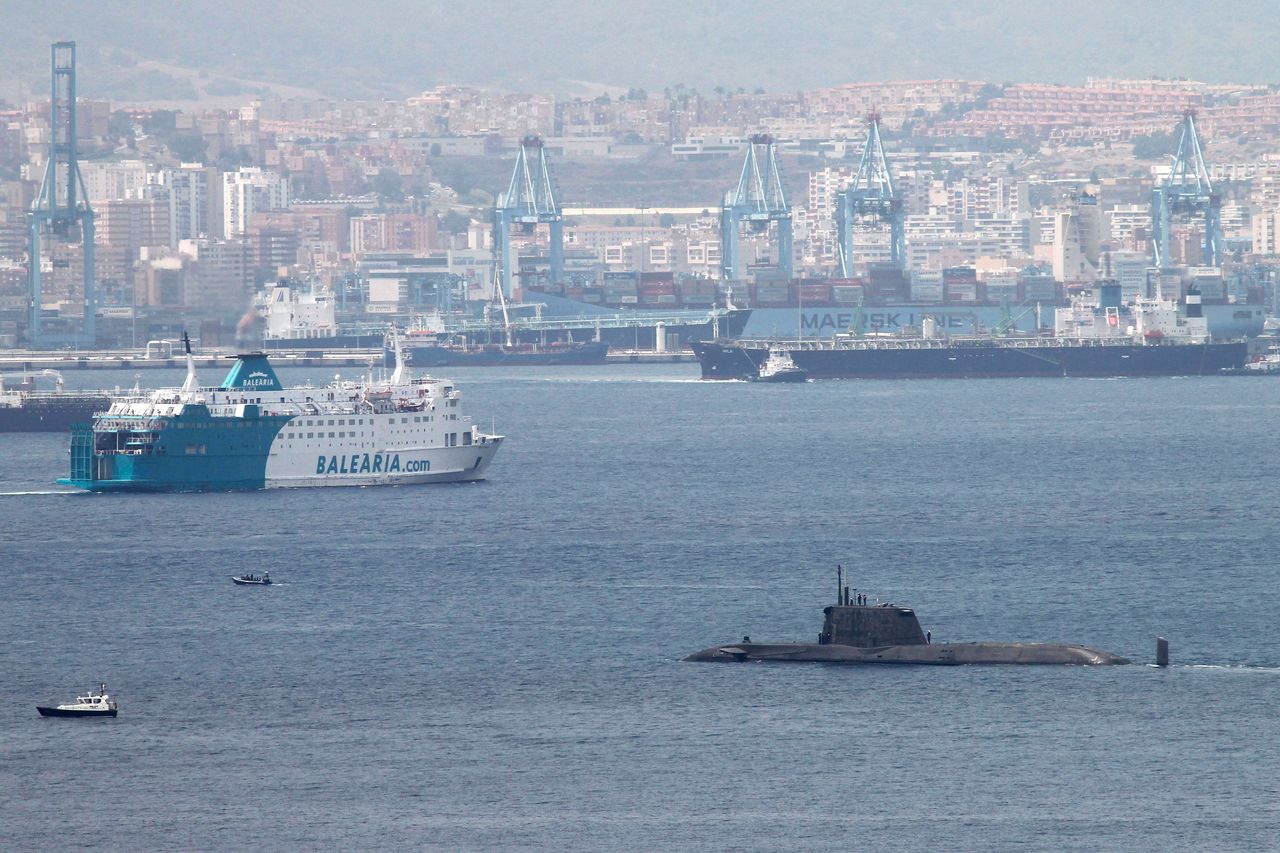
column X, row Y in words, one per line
column 252, row 372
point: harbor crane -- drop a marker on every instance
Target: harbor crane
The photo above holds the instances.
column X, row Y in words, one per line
column 871, row 194
column 61, row 208
column 1187, row 191
column 529, row 201
column 758, row 200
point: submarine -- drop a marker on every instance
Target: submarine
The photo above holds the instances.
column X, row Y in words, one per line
column 854, row 631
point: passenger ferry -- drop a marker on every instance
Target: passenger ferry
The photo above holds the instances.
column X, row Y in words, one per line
column 251, row 432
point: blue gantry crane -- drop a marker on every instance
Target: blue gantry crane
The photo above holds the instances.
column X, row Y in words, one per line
column 758, row 200
column 529, row 202
column 61, row 206
column 1187, row 191
column 871, row 193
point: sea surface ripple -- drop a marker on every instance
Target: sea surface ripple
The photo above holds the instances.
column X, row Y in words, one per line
column 497, row 665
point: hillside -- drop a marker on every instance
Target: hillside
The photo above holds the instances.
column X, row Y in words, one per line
column 135, row 50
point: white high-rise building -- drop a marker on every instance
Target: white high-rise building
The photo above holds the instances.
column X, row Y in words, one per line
column 190, row 201
column 1077, row 239
column 112, row 180
column 1264, row 233
column 247, row 191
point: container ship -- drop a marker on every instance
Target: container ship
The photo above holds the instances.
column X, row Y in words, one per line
column 24, row 408
column 1153, row 337
column 250, row 432
column 887, row 301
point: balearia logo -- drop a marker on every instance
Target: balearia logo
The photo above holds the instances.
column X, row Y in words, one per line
column 364, row 463
column 255, row 379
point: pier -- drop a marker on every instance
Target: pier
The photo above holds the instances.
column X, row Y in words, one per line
column 18, row 361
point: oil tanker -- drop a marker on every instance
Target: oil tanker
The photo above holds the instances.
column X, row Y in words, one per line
column 1153, row 337
column 24, row 408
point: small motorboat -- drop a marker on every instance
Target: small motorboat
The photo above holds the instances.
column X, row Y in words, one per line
column 96, row 704
column 778, row 366
column 253, row 580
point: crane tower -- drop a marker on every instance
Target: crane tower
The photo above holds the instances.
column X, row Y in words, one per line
column 871, row 194
column 758, row 199
column 528, row 202
column 61, row 206
column 1187, row 191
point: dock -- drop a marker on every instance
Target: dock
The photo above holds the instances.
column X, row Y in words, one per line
column 18, row 361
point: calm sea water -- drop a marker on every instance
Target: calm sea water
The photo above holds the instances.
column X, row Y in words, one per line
column 497, row 665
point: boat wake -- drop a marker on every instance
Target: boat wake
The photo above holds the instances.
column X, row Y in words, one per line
column 38, row 492
column 1232, row 667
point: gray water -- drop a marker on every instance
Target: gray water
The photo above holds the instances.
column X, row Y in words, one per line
column 497, row 665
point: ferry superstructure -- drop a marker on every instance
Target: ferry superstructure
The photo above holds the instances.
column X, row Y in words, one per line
column 251, row 432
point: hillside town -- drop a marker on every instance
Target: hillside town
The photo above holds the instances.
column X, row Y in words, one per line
column 1003, row 193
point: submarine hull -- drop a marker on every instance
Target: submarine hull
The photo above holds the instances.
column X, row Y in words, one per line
column 927, row 654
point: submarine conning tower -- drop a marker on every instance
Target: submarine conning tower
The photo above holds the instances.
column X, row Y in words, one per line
column 870, row 626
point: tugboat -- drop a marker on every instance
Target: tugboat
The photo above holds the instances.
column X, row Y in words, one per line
column 779, row 367
column 96, row 704
column 855, row 631
column 253, row 580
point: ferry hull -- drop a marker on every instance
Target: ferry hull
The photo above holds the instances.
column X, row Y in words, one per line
column 283, row 471
column 982, row 359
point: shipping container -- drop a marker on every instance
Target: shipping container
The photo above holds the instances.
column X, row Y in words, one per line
column 815, row 293
column 1002, row 292
column 961, row 291
column 698, row 288
column 658, row 287
column 846, row 294
column 885, row 273
column 618, row 289
column 1212, row 290
column 772, row 293
column 661, row 299
column 959, row 275
column 928, row 293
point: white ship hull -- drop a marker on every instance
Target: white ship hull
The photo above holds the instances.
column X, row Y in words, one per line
column 347, row 467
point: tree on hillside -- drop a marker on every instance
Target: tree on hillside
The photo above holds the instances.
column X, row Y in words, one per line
column 388, row 184
column 454, row 222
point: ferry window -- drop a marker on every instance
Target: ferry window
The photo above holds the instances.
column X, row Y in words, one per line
column 311, row 435
column 466, row 438
column 404, row 420
column 331, row 435
column 416, row 419
column 331, row 424
column 342, row 422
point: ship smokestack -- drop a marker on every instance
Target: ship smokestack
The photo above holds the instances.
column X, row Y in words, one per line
column 1194, row 307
